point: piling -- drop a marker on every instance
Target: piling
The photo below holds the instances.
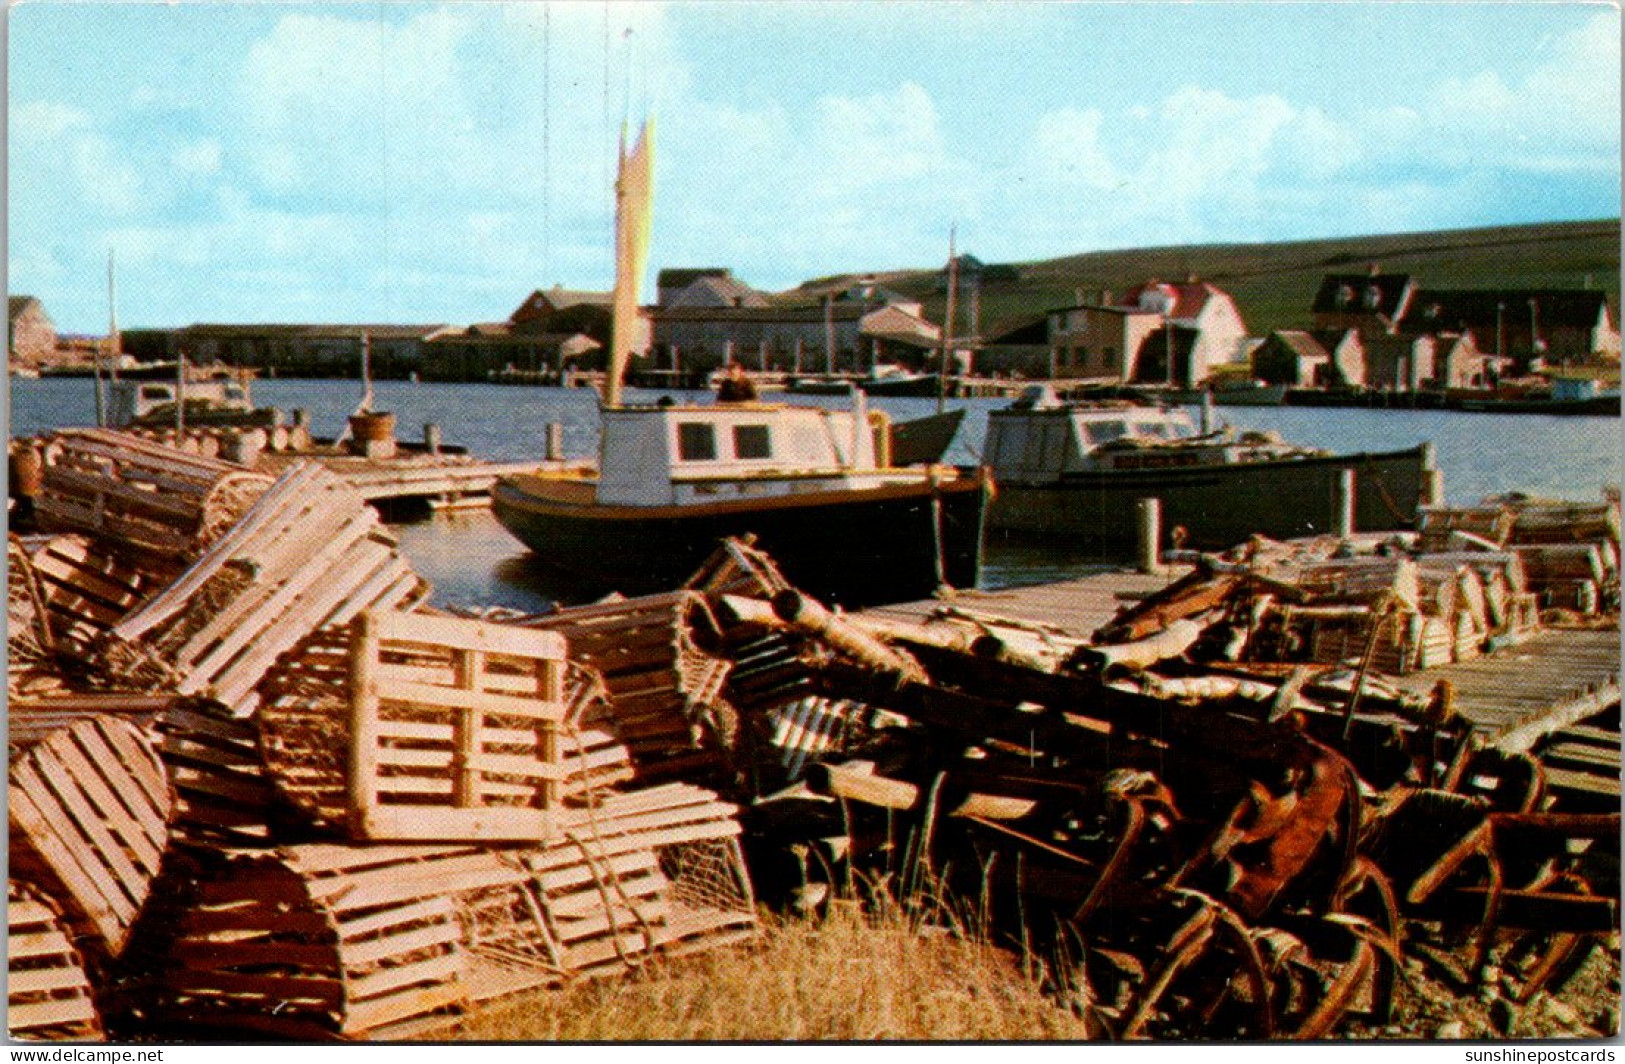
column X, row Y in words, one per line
column 1149, row 554
column 1345, row 503
column 1432, row 493
column 431, row 438
column 555, row 441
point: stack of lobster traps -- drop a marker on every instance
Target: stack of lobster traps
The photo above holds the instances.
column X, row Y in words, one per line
column 259, row 785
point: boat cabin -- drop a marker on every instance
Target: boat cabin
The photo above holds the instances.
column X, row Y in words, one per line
column 665, row 455
column 1040, row 439
column 136, row 400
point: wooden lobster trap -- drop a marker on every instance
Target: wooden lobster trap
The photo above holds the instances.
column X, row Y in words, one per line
column 309, row 553
column 399, row 941
column 48, row 995
column 90, row 812
column 413, row 726
column 665, row 689
column 454, row 729
column 304, row 730
column 85, row 585
column 156, row 498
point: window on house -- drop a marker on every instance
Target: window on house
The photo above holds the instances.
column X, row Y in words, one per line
column 751, row 441
column 696, row 441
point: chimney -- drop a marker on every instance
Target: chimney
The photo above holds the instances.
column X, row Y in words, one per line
column 1105, row 297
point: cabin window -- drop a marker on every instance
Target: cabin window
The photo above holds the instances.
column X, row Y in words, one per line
column 696, row 441
column 1100, row 432
column 751, row 441
column 155, row 391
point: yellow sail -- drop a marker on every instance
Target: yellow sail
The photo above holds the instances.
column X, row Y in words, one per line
column 634, row 203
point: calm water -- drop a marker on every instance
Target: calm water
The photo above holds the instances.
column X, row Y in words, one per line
column 472, row 560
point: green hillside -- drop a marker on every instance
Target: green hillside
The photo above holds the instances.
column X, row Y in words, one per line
column 1274, row 284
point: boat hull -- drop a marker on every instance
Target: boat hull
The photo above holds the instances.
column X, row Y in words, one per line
column 847, row 548
column 1221, row 506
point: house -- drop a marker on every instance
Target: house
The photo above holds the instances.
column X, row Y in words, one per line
column 1398, row 363
column 1459, row 364
column 1584, row 383
column 292, row 349
column 795, row 339
column 1019, row 349
column 1159, row 332
column 716, row 292
column 669, row 282
column 30, row 335
column 1346, row 368
column 1373, row 301
column 867, row 292
column 1292, row 357
column 480, row 351
column 973, row 273
column 1531, row 326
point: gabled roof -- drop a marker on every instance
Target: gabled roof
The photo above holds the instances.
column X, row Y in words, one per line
column 766, row 313
column 1362, row 293
column 685, row 276
column 1332, row 339
column 1190, row 298
column 717, row 292
column 1032, row 330
column 870, row 292
column 1303, row 344
column 1438, row 309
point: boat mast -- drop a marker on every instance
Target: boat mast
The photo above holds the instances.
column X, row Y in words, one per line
column 634, row 187
column 948, row 324
column 114, row 340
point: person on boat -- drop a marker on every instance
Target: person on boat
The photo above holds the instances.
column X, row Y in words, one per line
column 735, row 387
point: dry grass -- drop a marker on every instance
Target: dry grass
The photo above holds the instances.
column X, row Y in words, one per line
column 848, row 976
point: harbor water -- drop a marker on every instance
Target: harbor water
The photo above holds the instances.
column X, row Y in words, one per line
column 472, row 560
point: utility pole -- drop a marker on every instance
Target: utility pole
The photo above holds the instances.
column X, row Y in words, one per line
column 948, row 324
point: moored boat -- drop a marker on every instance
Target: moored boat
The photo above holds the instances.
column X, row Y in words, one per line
column 1078, row 469
column 673, row 480
column 813, row 485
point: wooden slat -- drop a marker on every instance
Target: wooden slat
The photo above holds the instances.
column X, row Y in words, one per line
column 464, row 634
column 392, row 690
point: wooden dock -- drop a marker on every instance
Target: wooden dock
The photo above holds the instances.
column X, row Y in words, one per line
column 1517, row 695
column 446, row 479
column 1074, row 608
column 1553, row 678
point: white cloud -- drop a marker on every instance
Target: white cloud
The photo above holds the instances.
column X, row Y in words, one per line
column 199, row 157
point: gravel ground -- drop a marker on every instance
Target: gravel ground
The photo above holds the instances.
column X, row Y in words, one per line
column 1435, row 1000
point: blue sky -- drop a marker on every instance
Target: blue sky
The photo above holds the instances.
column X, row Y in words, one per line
column 435, row 162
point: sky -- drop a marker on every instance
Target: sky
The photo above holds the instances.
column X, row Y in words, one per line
column 435, row 163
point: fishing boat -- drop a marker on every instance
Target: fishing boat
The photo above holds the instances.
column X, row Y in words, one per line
column 813, row 485
column 1078, row 469
column 208, row 395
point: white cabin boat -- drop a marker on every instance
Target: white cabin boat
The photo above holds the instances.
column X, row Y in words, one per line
column 1079, row 468
column 813, row 485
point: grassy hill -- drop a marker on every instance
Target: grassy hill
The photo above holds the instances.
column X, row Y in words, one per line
column 1274, row 284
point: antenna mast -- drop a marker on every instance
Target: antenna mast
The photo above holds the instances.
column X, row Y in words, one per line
column 948, row 324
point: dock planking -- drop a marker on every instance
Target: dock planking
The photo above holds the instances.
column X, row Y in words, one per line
column 1075, row 607
column 1551, row 679
column 418, row 477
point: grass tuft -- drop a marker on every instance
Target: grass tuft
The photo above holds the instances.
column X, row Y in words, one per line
column 850, row 975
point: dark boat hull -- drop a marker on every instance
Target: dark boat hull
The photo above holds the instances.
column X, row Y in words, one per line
column 847, row 548
column 1222, row 506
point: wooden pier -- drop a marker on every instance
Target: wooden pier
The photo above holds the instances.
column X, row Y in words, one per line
column 1074, row 608
column 1518, row 695
column 437, row 480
